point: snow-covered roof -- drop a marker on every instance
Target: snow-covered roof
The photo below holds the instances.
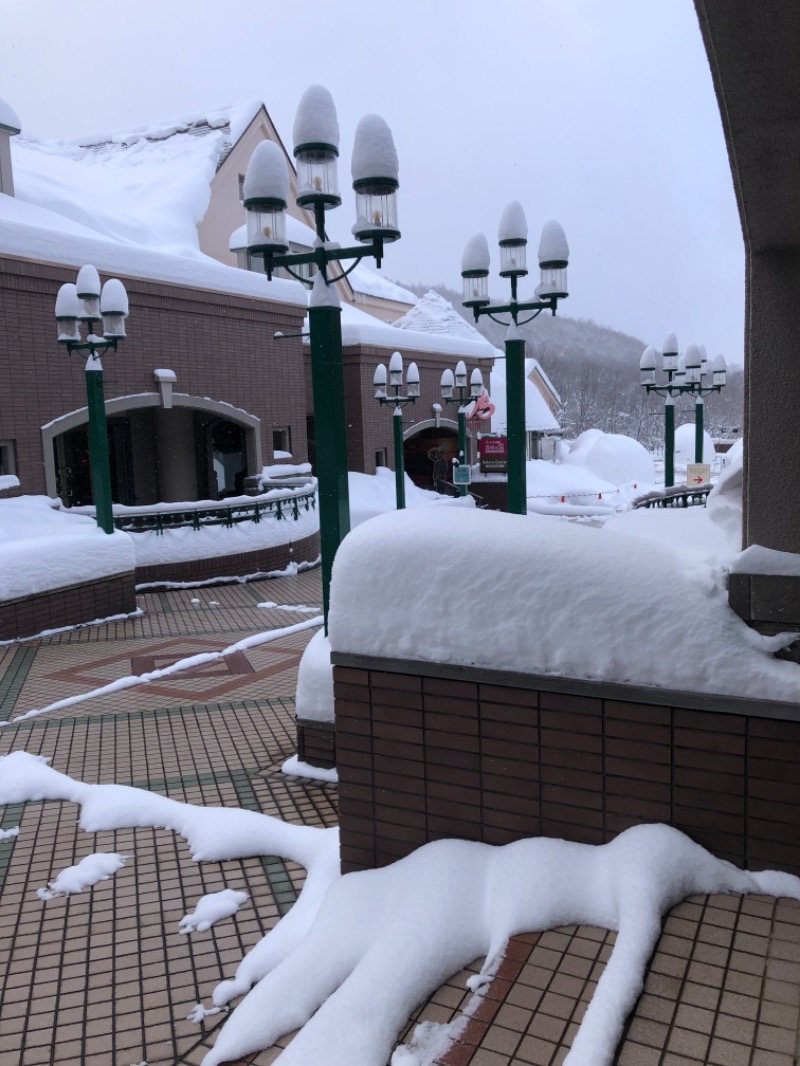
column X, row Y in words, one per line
column 129, row 202
column 538, row 416
column 362, row 279
column 433, row 314
column 148, row 186
column 32, row 232
column 8, row 118
column 360, row 328
column 532, row 365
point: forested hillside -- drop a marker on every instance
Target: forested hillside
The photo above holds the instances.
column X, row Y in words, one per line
column 596, row 372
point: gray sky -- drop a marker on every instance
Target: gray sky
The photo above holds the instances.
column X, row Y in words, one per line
column 599, row 114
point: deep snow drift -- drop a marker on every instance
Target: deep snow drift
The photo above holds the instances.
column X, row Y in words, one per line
column 556, row 599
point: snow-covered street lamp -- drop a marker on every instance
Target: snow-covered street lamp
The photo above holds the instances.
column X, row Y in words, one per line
column 457, row 382
column 687, row 374
column 86, row 303
column 265, row 191
column 552, row 287
column 394, row 396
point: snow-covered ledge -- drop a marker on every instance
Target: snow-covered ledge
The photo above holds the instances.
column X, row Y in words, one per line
column 552, row 599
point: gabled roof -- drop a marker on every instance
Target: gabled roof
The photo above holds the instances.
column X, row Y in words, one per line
column 538, row 416
column 433, row 314
column 148, row 186
column 231, row 121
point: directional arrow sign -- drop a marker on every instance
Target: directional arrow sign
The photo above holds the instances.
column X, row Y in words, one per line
column 698, row 473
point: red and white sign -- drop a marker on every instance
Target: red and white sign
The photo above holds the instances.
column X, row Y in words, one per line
column 697, row 474
column 493, row 452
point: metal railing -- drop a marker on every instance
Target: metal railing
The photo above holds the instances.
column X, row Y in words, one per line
column 677, row 496
column 288, row 506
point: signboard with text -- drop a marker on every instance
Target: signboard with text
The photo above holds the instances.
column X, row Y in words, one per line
column 493, row 453
column 462, row 475
column 697, row 474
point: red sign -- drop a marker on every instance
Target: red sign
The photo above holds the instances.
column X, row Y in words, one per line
column 493, row 453
column 494, row 446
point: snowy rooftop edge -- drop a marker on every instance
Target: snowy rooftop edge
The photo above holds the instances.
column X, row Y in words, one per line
column 67, row 246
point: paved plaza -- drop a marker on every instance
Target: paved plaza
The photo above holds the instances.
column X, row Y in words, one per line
column 104, row 977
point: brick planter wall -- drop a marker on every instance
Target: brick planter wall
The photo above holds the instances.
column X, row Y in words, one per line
column 426, row 751
column 305, row 550
column 316, row 743
column 29, row 615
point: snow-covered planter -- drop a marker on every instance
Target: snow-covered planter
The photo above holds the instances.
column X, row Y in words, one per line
column 59, row 570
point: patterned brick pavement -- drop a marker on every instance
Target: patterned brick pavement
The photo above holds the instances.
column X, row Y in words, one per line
column 104, row 977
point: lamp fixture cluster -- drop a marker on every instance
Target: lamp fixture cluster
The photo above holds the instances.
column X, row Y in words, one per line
column 395, row 382
column 374, row 171
column 687, row 373
column 512, row 240
column 83, row 304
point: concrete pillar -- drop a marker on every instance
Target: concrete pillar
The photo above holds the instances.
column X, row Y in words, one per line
column 772, row 401
column 771, row 513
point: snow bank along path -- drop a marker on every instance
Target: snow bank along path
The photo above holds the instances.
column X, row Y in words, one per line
column 356, row 953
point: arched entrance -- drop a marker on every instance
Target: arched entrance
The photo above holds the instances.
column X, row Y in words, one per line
column 429, row 452
column 197, row 449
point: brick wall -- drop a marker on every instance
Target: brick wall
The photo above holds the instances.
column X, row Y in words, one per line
column 305, row 550
column 425, row 751
column 86, row 602
column 220, row 346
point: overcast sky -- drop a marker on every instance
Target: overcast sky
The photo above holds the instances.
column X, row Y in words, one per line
column 599, row 114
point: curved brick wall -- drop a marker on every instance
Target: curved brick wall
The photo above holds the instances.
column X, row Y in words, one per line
column 87, row 602
column 305, row 550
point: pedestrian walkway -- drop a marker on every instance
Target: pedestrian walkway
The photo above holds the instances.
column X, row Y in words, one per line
column 105, row 978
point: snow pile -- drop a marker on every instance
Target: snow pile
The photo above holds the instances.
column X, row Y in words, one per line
column 689, row 530
column 684, row 445
column 560, row 489
column 385, row 939
column 8, row 482
column 724, row 503
column 556, row 599
column 314, row 694
column 91, row 869
column 42, row 548
column 613, row 457
column 374, row 494
column 212, row 908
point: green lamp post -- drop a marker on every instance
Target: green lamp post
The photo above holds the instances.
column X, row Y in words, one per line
column 395, row 382
column 458, row 381
column 85, row 302
column 684, row 376
column 266, row 194
column 552, row 287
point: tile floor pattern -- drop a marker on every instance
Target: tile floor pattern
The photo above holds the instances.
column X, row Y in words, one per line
column 104, row 978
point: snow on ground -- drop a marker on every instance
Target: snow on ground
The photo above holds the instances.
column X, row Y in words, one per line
column 689, row 530
column 41, row 548
column 91, row 869
column 387, row 938
column 612, row 456
column 207, row 542
column 374, row 494
column 211, row 908
column 556, row 598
